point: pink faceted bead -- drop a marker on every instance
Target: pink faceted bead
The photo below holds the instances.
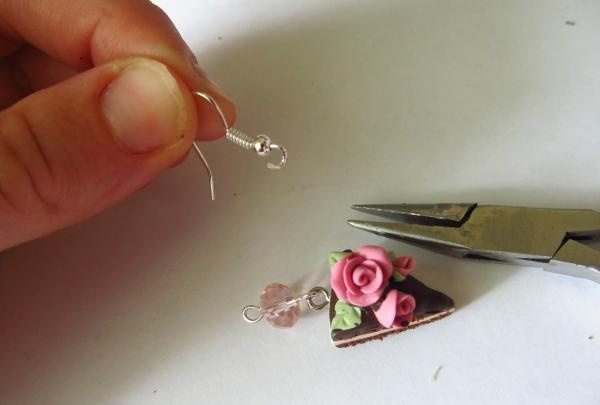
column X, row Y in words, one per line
column 281, row 316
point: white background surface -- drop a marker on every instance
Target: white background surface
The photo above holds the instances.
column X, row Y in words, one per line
column 387, row 101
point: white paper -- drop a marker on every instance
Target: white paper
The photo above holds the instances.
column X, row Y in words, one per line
column 387, row 101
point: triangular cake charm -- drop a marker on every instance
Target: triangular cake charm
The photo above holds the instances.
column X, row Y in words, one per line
column 373, row 295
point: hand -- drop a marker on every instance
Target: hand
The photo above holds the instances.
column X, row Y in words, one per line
column 95, row 102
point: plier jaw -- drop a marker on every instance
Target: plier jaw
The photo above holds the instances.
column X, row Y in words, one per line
column 453, row 215
column 556, row 240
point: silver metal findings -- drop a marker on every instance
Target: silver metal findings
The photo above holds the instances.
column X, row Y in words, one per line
column 261, row 144
column 211, row 179
column 316, row 299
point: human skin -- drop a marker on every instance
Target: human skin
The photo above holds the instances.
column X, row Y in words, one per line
column 96, row 101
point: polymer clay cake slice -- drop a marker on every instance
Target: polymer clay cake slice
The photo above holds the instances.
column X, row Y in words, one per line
column 373, row 295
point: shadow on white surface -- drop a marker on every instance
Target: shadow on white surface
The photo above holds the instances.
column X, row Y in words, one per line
column 375, row 104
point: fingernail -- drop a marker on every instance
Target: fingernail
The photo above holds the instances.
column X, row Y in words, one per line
column 144, row 107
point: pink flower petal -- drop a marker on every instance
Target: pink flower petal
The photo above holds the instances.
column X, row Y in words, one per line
column 364, row 300
column 405, row 265
column 386, row 313
column 371, row 264
column 405, row 304
column 362, row 276
column 375, row 283
column 349, row 266
column 379, row 255
column 402, row 321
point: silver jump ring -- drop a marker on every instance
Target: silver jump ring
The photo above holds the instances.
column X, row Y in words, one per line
column 314, row 293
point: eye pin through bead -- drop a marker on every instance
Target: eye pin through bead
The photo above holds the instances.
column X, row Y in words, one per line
column 280, row 305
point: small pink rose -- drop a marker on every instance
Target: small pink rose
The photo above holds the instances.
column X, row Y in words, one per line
column 396, row 309
column 405, row 265
column 361, row 277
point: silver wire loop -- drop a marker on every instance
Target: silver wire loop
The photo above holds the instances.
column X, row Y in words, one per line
column 284, row 158
column 259, row 313
column 254, row 313
column 315, row 293
column 261, row 144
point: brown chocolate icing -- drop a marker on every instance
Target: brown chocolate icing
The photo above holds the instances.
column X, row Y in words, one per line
column 428, row 302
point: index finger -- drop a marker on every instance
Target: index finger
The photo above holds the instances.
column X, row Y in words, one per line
column 88, row 33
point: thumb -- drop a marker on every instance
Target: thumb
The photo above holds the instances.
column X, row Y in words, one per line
column 73, row 149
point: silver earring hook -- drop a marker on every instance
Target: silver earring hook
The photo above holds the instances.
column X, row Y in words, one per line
column 216, row 106
column 261, row 144
column 211, row 178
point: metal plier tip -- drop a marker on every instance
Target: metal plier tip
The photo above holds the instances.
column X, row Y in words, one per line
column 559, row 240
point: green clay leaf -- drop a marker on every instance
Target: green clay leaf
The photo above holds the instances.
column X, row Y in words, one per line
column 346, row 316
column 335, row 257
column 392, row 255
column 397, row 276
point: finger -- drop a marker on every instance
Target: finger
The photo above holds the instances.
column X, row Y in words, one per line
column 8, row 47
column 12, row 91
column 29, row 70
column 73, row 149
column 89, row 33
column 37, row 70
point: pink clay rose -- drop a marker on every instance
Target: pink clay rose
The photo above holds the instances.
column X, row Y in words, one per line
column 404, row 265
column 396, row 309
column 361, row 277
